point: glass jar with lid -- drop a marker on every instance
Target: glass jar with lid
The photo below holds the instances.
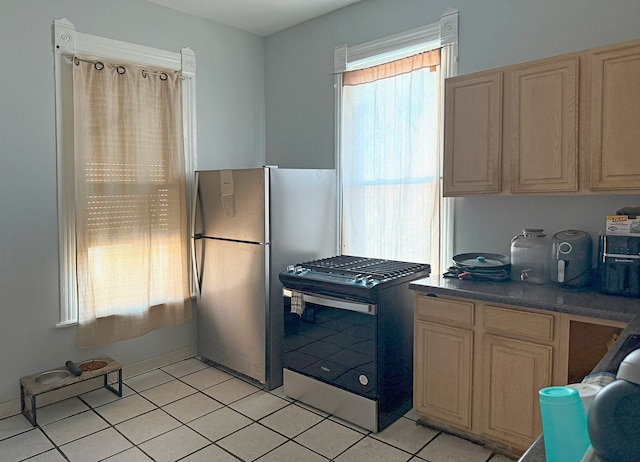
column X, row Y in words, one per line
column 530, row 256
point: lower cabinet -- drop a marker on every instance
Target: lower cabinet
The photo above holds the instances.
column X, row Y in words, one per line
column 442, row 383
column 514, row 371
column 478, row 366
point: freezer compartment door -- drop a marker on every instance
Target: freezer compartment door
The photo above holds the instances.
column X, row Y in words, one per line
column 233, row 204
column 232, row 309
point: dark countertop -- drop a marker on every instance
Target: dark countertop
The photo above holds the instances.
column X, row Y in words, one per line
column 583, row 302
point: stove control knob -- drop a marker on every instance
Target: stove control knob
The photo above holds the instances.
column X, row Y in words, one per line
column 363, row 379
column 298, row 269
column 291, row 268
column 359, row 278
column 368, row 280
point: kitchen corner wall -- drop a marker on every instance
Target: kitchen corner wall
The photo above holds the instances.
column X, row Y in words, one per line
column 239, row 77
column 230, row 116
column 492, row 33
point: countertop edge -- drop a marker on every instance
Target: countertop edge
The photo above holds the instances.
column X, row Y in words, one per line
column 542, row 297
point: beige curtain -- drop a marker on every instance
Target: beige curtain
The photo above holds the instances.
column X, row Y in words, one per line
column 131, row 232
column 428, row 59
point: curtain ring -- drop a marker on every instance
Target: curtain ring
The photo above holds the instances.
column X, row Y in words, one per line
column 76, row 61
column 121, row 70
column 98, row 66
column 163, row 76
column 144, row 73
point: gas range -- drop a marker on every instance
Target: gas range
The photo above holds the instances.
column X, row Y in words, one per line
column 348, row 324
column 347, row 275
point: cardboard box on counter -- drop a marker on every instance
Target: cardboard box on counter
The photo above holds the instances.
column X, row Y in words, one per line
column 622, row 225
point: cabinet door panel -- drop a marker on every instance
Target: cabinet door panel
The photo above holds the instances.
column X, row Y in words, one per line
column 442, row 373
column 514, row 371
column 544, row 127
column 473, row 135
column 615, row 117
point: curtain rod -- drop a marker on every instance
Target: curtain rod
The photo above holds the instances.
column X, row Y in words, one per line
column 120, row 69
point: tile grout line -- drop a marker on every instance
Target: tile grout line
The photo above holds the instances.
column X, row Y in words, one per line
column 214, row 442
column 324, row 417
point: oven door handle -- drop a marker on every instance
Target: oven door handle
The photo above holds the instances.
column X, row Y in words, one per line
column 365, row 308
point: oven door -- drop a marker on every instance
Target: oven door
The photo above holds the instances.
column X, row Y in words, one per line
column 332, row 340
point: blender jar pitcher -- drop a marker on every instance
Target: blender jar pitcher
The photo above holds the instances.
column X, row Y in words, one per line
column 530, row 256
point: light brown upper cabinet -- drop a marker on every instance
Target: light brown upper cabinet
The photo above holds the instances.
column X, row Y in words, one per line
column 548, row 142
column 473, row 134
column 543, row 126
column 614, row 95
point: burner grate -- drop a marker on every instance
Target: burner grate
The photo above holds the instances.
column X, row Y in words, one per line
column 375, row 267
column 346, row 276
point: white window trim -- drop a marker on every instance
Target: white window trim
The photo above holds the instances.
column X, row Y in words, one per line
column 442, row 34
column 66, row 43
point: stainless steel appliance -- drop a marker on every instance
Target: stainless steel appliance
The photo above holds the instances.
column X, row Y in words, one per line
column 619, row 265
column 571, row 258
column 530, row 256
column 349, row 337
column 249, row 225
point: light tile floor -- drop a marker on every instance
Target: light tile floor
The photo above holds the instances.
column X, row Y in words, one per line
column 192, row 412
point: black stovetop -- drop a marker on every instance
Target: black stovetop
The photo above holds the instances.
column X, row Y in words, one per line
column 375, row 267
column 350, row 275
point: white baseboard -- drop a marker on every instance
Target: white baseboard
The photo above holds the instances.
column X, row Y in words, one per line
column 12, row 407
column 159, row 361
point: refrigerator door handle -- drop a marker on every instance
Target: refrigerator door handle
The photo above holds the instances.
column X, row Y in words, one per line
column 197, row 284
column 197, row 205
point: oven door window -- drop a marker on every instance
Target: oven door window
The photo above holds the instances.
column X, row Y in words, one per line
column 334, row 345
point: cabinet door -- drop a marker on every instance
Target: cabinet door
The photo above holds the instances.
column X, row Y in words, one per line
column 442, row 373
column 544, row 127
column 614, row 92
column 473, row 134
column 513, row 372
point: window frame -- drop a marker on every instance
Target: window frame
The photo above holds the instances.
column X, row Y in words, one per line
column 442, row 34
column 66, row 42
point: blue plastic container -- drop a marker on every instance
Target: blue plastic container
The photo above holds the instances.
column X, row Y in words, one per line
column 564, row 424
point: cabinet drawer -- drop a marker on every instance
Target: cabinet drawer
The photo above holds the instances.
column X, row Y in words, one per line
column 516, row 322
column 442, row 309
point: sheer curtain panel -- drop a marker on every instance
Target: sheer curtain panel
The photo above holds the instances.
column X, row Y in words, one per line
column 131, row 219
column 390, row 160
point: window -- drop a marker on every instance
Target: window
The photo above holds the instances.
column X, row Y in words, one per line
column 389, row 144
column 102, row 199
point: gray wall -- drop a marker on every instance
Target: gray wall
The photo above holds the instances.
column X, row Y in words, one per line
column 492, row 33
column 235, row 72
column 230, row 113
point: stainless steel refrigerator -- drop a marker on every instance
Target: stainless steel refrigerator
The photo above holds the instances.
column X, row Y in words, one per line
column 249, row 225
